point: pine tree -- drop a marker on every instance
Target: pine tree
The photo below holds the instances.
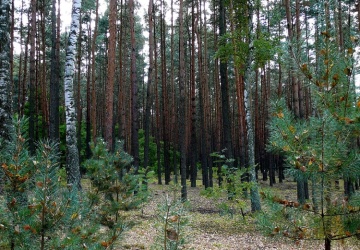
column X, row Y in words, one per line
column 320, row 149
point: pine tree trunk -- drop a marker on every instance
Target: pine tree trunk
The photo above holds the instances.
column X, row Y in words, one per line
column 109, row 89
column 72, row 156
column 88, row 96
column 165, row 104
column 134, row 92
column 202, row 83
column 181, row 104
column 93, row 76
column 43, row 81
column 173, row 116
column 193, row 146
column 226, row 120
column 121, row 99
column 149, row 100
column 157, row 112
column 54, row 80
column 32, row 34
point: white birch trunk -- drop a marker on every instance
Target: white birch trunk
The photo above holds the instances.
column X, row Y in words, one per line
column 5, row 106
column 5, row 103
column 72, row 156
column 254, row 193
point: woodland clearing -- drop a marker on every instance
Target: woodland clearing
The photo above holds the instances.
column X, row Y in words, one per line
column 209, row 228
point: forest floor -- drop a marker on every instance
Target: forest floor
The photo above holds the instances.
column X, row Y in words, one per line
column 207, row 227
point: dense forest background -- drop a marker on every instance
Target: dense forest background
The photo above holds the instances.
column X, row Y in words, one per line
column 186, row 83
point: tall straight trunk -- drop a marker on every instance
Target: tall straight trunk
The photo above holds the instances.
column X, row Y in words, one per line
column 72, row 155
column 93, row 75
column 88, row 95
column 24, row 74
column 165, row 105
column 5, row 101
column 42, row 72
column 78, row 88
column 254, row 193
column 54, row 80
column 295, row 89
column 239, row 81
column 206, row 96
column 149, row 100
column 218, row 127
column 173, row 91
column 157, row 112
column 134, row 91
column 193, row 146
column 226, row 120
column 109, row 89
column 181, row 104
column 20, row 82
column 121, row 92
column 11, row 52
column 202, row 105
column 32, row 83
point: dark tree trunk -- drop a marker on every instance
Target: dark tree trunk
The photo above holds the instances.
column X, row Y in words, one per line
column 93, row 113
column 226, row 120
column 149, row 100
column 165, row 104
column 193, row 146
column 32, row 78
column 181, row 104
column 54, row 79
column 109, row 99
column 134, row 92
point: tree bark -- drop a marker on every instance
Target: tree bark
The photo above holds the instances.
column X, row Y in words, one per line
column 254, row 193
column 109, row 89
column 72, row 156
column 5, row 101
column 32, row 83
column 182, row 104
column 149, row 100
column 165, row 105
column 226, row 120
column 134, row 92
column 193, row 146
column 54, row 80
column 93, row 75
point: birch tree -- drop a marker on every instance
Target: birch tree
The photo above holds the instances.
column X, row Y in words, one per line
column 254, row 194
column 72, row 156
column 5, row 106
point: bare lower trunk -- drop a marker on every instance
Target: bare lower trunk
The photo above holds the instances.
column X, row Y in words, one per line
column 254, row 194
column 72, row 156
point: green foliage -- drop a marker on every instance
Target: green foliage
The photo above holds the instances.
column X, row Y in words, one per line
column 264, row 50
column 153, row 164
column 321, row 149
column 171, row 223
column 233, row 187
column 37, row 211
column 115, row 186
